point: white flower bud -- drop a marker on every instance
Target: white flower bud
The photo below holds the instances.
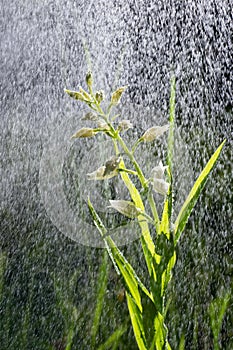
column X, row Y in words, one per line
column 126, row 208
column 102, row 125
column 112, row 164
column 99, row 96
column 124, row 125
column 99, row 174
column 90, row 116
column 154, row 132
column 84, row 132
column 85, row 94
column 89, row 79
column 116, row 96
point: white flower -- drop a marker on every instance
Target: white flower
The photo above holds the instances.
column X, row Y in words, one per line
column 159, row 183
column 160, row 186
column 158, row 171
column 154, row 132
column 126, row 208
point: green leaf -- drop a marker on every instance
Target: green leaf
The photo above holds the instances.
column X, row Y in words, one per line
column 217, row 311
column 160, row 337
column 194, row 194
column 131, row 279
column 3, row 261
column 149, row 312
column 137, row 323
column 171, row 122
column 102, row 286
column 146, row 239
column 112, row 341
column 164, row 225
column 167, row 209
column 166, row 276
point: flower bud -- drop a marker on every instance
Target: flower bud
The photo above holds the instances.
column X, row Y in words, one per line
column 76, row 95
column 126, row 208
column 154, row 132
column 85, row 94
column 89, row 80
column 99, row 96
column 84, row 132
column 112, row 164
column 124, row 125
column 102, row 125
column 99, row 174
column 90, row 116
column 116, row 96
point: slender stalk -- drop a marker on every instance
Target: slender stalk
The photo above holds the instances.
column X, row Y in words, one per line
column 154, row 211
column 133, row 160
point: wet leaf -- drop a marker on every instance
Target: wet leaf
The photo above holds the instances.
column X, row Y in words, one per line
column 194, row 194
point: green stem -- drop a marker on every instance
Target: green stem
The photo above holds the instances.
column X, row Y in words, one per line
column 128, row 171
column 133, row 160
column 135, row 145
column 149, row 219
column 154, row 210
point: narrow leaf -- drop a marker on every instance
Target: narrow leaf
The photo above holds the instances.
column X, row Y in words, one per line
column 102, row 286
column 167, row 209
column 171, row 122
column 194, row 194
column 147, row 242
column 132, row 281
column 113, row 339
column 136, row 319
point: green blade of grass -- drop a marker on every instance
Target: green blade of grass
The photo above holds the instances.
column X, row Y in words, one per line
column 160, row 335
column 137, row 323
column 194, row 194
column 217, row 311
column 131, row 279
column 172, row 107
column 101, row 290
column 112, row 341
column 3, row 260
column 167, row 209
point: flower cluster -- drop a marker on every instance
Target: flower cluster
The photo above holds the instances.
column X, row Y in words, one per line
column 104, row 124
